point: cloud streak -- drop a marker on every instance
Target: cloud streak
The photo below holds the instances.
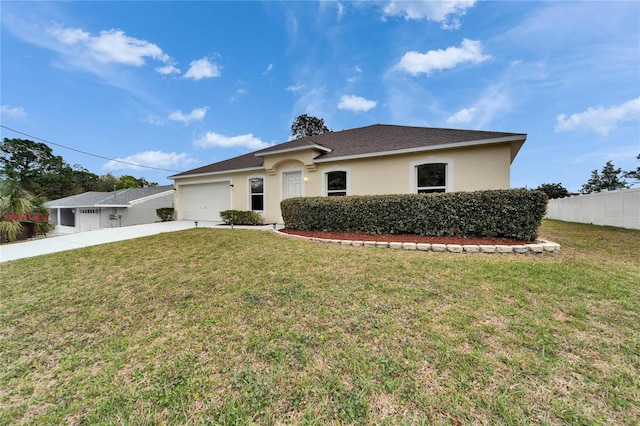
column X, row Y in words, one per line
column 157, row 159
column 203, row 68
column 196, row 114
column 11, row 111
column 445, row 12
column 600, row 120
column 470, row 51
column 356, row 103
column 216, row 140
column 113, row 47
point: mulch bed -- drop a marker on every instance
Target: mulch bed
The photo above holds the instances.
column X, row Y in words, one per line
column 402, row 238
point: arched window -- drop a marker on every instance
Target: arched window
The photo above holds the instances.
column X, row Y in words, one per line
column 431, row 177
column 257, row 193
column 336, row 183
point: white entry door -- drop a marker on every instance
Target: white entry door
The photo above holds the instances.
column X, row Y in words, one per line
column 292, row 184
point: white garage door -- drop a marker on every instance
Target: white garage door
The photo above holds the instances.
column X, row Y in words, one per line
column 89, row 219
column 205, row 201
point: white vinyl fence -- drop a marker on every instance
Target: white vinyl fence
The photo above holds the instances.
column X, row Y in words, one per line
column 617, row 208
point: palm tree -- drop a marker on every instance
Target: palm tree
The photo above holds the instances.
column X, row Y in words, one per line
column 15, row 204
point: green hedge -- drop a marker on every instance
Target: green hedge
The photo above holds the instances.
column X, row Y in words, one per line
column 514, row 213
column 165, row 213
column 241, row 217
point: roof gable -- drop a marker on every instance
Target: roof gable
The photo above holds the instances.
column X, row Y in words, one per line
column 121, row 197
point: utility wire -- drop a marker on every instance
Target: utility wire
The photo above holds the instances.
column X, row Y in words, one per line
column 87, row 153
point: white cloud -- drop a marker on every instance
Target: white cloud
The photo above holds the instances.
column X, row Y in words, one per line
column 196, row 114
column 415, row 63
column 157, row 159
column 11, row 111
column 168, row 69
column 268, row 70
column 215, row 140
column 356, row 103
column 600, row 120
column 202, row 68
column 355, row 78
column 153, row 120
column 294, row 88
column 70, row 35
column 112, row 46
column 494, row 100
column 464, row 116
column 444, row 12
column 236, row 95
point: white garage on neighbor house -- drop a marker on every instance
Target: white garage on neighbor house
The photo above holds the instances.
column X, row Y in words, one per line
column 98, row 210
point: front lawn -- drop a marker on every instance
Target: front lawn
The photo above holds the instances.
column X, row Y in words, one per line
column 210, row 326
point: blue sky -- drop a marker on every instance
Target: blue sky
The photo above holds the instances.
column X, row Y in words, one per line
column 176, row 85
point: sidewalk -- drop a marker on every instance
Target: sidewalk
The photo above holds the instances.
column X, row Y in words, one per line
column 31, row 248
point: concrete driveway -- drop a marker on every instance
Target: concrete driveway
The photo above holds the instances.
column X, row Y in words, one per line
column 31, row 248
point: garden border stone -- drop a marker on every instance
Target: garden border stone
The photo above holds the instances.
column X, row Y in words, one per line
column 537, row 247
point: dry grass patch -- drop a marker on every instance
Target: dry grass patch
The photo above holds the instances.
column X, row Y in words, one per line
column 243, row 327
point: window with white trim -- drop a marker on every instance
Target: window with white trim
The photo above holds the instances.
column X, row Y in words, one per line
column 431, row 177
column 336, row 183
column 257, row 193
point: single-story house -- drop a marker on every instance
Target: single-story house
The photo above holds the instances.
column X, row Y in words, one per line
column 377, row 159
column 98, row 210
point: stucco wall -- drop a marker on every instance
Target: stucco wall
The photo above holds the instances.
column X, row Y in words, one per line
column 469, row 169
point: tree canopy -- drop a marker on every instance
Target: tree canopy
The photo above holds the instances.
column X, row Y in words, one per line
column 38, row 171
column 634, row 174
column 305, row 125
column 609, row 179
column 553, row 190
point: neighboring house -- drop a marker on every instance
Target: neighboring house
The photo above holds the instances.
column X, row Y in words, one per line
column 378, row 159
column 98, row 210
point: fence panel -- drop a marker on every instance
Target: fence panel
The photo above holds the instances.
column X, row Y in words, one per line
column 617, row 208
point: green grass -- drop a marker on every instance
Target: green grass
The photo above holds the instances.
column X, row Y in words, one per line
column 244, row 327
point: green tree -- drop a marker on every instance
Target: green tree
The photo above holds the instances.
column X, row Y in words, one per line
column 634, row 174
column 128, row 181
column 304, row 126
column 106, row 183
column 609, row 179
column 553, row 190
column 40, row 172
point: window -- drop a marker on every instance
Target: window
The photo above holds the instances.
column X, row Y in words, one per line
column 257, row 193
column 431, row 178
column 336, row 184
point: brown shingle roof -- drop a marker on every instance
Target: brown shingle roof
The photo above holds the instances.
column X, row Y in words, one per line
column 371, row 140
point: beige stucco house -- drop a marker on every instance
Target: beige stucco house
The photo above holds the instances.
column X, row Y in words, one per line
column 377, row 159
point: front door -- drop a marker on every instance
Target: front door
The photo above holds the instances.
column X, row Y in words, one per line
column 292, row 184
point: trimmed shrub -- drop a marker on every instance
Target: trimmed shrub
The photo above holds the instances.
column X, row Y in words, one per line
column 241, row 217
column 513, row 213
column 165, row 213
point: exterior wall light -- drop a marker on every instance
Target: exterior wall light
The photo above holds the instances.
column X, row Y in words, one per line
column 306, row 178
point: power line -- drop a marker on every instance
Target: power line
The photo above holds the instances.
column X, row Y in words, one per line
column 88, row 153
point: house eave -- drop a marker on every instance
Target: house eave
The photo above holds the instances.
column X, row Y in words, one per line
column 87, row 206
column 298, row 148
column 221, row 172
column 465, row 144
